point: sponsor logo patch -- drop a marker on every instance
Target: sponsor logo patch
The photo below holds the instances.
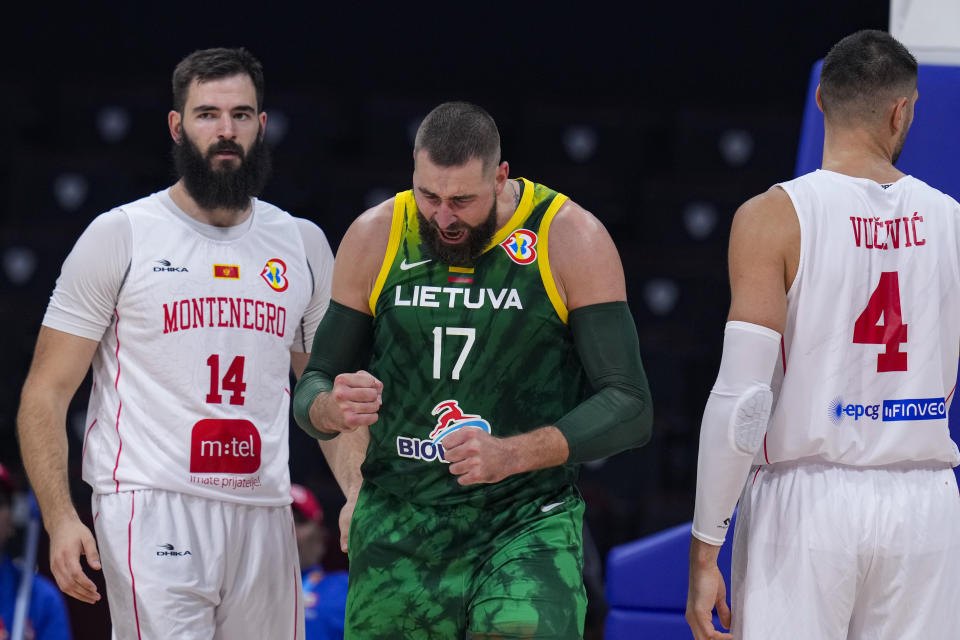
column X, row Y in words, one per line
column 167, row 550
column 889, row 410
column 450, row 418
column 224, row 446
column 164, row 265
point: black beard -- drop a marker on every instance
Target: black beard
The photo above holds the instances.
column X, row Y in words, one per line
column 465, row 253
column 227, row 187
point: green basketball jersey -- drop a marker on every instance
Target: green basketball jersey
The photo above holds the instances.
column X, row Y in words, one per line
column 485, row 346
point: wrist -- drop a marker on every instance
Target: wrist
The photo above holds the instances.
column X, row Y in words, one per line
column 538, row 449
column 61, row 518
column 516, row 452
column 318, row 413
column 703, row 553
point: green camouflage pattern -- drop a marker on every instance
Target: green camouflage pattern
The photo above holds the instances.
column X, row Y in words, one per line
column 455, row 571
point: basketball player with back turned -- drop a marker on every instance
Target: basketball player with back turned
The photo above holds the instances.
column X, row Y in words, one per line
column 839, row 364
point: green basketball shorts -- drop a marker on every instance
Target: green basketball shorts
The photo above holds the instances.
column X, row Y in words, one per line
column 450, row 572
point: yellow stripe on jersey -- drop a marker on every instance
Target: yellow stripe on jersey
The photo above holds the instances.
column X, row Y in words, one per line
column 543, row 260
column 400, row 203
column 524, row 209
column 462, row 269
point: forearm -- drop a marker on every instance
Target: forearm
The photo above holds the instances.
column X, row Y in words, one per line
column 342, row 343
column 538, row 449
column 734, row 425
column 41, row 427
column 702, row 554
column 344, row 455
column 619, row 415
column 312, row 391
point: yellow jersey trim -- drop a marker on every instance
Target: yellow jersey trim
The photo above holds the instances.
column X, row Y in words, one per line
column 462, row 269
column 524, row 209
column 543, row 260
column 393, row 245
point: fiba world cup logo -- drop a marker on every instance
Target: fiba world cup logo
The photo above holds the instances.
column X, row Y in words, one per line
column 274, row 274
column 519, row 245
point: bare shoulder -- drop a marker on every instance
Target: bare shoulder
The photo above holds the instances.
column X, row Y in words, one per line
column 370, row 229
column 360, row 256
column 770, row 214
column 583, row 258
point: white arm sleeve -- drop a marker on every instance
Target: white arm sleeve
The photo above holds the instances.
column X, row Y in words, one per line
column 320, row 263
column 734, row 423
column 85, row 295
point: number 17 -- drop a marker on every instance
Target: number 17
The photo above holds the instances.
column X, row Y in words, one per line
column 469, row 333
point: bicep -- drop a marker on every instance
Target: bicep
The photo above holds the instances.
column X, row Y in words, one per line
column 757, row 248
column 584, row 260
column 60, row 362
column 360, row 258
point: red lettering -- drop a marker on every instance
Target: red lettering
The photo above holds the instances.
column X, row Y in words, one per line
column 247, row 302
column 916, row 239
column 197, row 313
column 893, row 231
column 271, row 317
column 877, row 225
column 169, row 319
column 906, row 232
column 281, row 321
column 246, row 313
column 184, row 306
column 258, row 315
column 220, row 303
column 235, row 312
column 856, row 229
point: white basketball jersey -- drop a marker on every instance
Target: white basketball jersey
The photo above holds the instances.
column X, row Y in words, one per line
column 191, row 382
column 872, row 337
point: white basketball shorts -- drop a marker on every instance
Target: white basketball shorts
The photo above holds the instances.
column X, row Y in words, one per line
column 828, row 552
column 179, row 566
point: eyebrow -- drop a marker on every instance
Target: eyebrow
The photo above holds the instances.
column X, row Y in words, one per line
column 431, row 194
column 210, row 107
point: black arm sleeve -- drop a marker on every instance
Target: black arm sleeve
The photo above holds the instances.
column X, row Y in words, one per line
column 343, row 343
column 619, row 415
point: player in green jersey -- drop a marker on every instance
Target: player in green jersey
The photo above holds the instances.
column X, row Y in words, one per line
column 477, row 348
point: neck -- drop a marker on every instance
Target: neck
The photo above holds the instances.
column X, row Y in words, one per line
column 215, row 217
column 507, row 202
column 859, row 153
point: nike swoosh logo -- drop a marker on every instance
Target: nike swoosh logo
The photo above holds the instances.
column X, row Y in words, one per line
column 404, row 266
column 550, row 507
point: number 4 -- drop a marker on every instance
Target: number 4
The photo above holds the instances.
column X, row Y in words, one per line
column 885, row 301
